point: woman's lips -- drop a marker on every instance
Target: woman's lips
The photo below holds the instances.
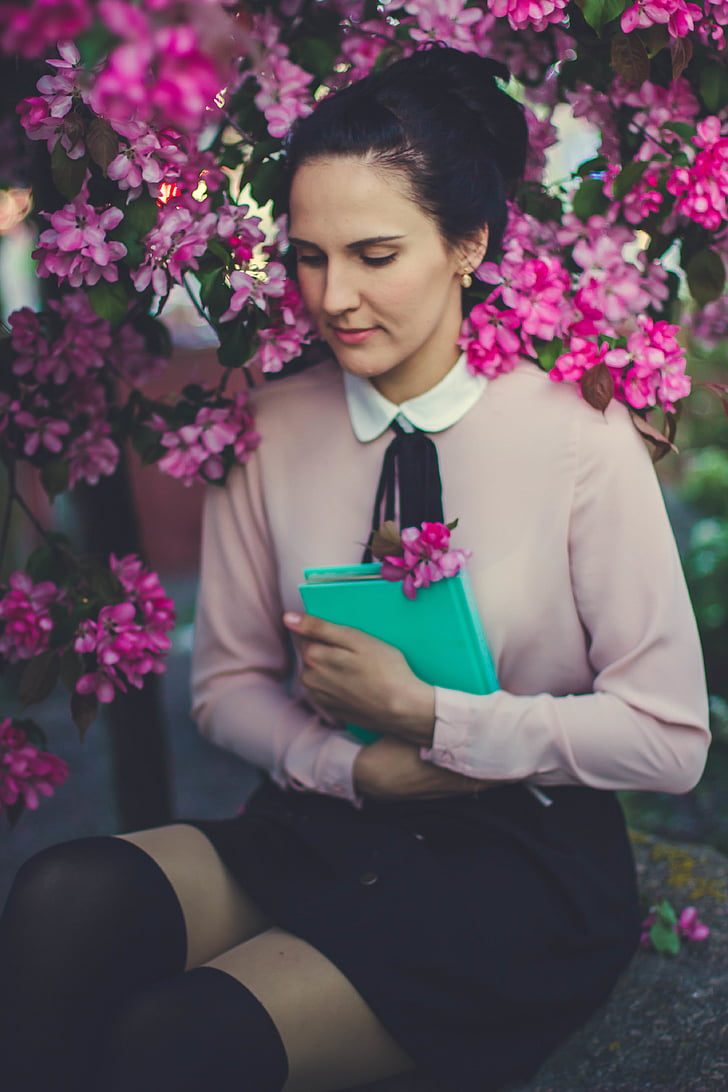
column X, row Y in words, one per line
column 353, row 337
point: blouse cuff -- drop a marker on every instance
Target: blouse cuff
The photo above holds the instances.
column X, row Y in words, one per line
column 327, row 768
column 451, row 739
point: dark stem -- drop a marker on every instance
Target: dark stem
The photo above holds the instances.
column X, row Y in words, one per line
column 30, row 514
column 7, row 514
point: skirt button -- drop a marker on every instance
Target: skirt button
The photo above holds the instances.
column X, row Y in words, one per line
column 368, row 878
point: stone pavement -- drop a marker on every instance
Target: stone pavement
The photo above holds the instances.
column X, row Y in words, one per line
column 664, row 1030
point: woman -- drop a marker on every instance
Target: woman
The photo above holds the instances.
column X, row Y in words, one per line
column 410, row 902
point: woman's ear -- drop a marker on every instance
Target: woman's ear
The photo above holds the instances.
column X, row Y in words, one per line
column 472, row 251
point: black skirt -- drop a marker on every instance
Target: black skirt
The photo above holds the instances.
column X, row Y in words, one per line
column 481, row 930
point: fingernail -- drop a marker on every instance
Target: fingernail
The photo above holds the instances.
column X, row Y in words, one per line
column 292, row 618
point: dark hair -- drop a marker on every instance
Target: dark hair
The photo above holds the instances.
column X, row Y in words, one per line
column 440, row 118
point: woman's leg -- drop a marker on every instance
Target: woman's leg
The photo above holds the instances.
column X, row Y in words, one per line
column 270, row 1014
column 89, row 924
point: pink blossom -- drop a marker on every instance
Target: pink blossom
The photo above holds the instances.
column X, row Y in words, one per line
column 581, row 355
column 30, row 29
column 26, row 772
column 427, row 558
column 171, row 62
column 79, row 348
column 490, row 339
column 136, row 163
column 42, row 432
column 656, row 371
column 702, row 189
column 447, row 21
column 284, row 93
column 75, row 247
column 25, row 614
column 127, row 640
column 255, row 289
column 690, row 927
column 195, row 451
column 93, row 454
column 131, row 359
column 679, row 15
column 542, row 135
column 523, row 14
column 51, row 116
column 173, row 247
column 363, row 43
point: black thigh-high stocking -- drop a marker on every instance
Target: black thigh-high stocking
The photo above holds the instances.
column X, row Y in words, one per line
column 202, row 1031
column 87, row 925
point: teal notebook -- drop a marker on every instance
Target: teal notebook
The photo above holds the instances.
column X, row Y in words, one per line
column 439, row 632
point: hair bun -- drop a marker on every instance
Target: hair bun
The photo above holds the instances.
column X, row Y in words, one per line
column 476, row 83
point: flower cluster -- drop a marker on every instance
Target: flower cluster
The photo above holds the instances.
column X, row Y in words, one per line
column 53, row 115
column 26, row 772
column 679, row 16
column 663, row 929
column 30, row 29
column 202, row 450
column 25, row 617
column 75, row 247
column 702, row 189
column 426, row 558
column 529, row 14
column 172, row 60
column 648, row 371
column 126, row 640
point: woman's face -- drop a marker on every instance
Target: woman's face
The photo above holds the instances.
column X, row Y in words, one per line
column 376, row 275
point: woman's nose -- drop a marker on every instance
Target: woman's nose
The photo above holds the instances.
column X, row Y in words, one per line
column 341, row 292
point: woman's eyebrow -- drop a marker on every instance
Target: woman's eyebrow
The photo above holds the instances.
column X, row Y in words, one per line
column 372, row 241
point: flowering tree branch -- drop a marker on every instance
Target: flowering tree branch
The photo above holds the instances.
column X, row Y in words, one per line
column 164, row 126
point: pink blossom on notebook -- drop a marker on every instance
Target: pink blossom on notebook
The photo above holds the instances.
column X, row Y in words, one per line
column 426, row 558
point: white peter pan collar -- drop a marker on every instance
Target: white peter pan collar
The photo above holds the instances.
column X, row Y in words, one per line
column 437, row 409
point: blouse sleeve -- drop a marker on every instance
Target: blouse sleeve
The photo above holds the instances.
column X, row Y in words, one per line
column 644, row 723
column 243, row 659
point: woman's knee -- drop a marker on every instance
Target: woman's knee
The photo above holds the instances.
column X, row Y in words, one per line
column 94, row 891
column 196, row 1031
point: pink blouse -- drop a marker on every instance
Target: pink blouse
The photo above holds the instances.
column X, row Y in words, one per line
column 574, row 568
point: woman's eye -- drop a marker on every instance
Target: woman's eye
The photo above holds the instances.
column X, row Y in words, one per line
column 310, row 259
column 384, row 260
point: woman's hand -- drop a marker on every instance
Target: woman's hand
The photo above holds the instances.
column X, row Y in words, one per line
column 359, row 679
column 393, row 770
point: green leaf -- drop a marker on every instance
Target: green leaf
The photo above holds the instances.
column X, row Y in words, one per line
column 109, row 301
column 665, row 939
column 236, row 339
column 39, row 677
column 141, row 215
column 682, row 129
column 46, row 563
column 15, row 811
column 102, row 143
column 265, row 181
column 548, row 352
column 714, row 85
column 316, row 55
column 55, row 476
column 628, row 177
column 597, row 165
column 706, row 276
column 630, row 59
column 214, row 291
column 105, row 585
column 589, row 199
column 541, row 205
column 598, row 13
column 94, row 43
column 68, row 174
column 72, row 668
column 84, row 708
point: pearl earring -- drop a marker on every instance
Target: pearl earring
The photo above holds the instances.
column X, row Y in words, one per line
column 466, row 280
